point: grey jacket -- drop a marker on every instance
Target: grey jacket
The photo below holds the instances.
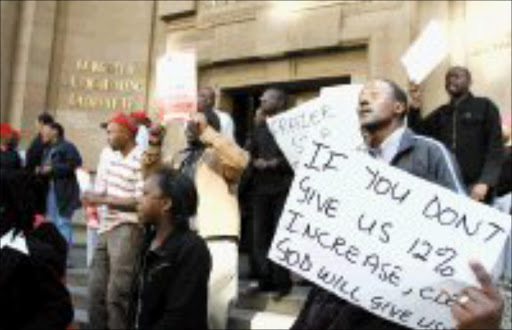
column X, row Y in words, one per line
column 428, row 159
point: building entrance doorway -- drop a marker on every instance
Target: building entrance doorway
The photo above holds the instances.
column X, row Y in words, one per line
column 246, row 100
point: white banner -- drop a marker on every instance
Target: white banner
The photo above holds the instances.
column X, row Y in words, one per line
column 426, row 52
column 176, row 86
column 380, row 238
column 292, row 128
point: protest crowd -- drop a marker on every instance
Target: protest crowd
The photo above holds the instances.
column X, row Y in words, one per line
column 164, row 231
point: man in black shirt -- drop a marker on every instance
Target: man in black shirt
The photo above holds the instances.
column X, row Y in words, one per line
column 470, row 127
column 272, row 177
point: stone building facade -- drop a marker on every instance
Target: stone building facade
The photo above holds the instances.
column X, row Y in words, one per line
column 82, row 60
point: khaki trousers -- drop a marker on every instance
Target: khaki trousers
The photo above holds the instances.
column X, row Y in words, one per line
column 111, row 276
column 223, row 285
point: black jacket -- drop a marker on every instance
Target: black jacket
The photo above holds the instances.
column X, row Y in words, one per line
column 171, row 285
column 325, row 311
column 35, row 153
column 65, row 159
column 48, row 234
column 39, row 183
column 505, row 182
column 417, row 155
column 270, row 180
column 10, row 162
column 472, row 131
column 32, row 294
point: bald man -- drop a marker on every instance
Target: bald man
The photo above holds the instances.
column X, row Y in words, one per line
column 467, row 125
column 206, row 104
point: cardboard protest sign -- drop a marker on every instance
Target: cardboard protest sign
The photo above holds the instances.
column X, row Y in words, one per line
column 426, row 52
column 176, row 86
column 380, row 238
column 292, row 128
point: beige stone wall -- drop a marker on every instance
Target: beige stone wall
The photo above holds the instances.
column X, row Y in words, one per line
column 9, row 11
column 246, row 42
column 480, row 38
column 82, row 59
column 488, row 52
column 101, row 64
column 30, row 63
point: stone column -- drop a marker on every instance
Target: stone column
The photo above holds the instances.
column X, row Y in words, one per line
column 9, row 19
column 31, row 63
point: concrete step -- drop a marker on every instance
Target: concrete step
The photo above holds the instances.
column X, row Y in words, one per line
column 79, row 232
column 78, row 256
column 77, row 277
column 253, row 310
column 238, row 318
column 81, row 319
column 81, row 316
column 79, row 226
column 78, row 297
column 250, row 319
column 290, row 304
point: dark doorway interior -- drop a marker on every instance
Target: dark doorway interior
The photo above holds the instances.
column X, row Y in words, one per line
column 246, row 99
column 245, row 102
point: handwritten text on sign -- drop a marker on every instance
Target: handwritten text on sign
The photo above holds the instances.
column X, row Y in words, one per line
column 380, row 238
column 292, row 129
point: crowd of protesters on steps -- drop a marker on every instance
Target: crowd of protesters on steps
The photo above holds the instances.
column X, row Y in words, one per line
column 163, row 244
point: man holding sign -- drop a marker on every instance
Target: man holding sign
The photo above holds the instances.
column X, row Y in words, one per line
column 215, row 163
column 382, row 108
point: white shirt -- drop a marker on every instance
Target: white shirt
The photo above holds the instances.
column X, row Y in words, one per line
column 227, row 128
column 120, row 176
column 389, row 147
column 106, row 155
column 142, row 138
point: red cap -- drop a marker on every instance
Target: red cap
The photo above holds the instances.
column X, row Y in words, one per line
column 6, row 131
column 140, row 116
column 124, row 120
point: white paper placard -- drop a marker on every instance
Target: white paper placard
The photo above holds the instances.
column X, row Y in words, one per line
column 176, row 86
column 292, row 129
column 84, row 179
column 426, row 52
column 376, row 236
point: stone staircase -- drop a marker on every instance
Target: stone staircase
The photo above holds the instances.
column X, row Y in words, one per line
column 263, row 311
column 77, row 275
column 251, row 311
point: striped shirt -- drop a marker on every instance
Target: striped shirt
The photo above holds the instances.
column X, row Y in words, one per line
column 121, row 177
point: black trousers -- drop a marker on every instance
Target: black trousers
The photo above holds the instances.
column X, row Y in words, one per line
column 267, row 209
